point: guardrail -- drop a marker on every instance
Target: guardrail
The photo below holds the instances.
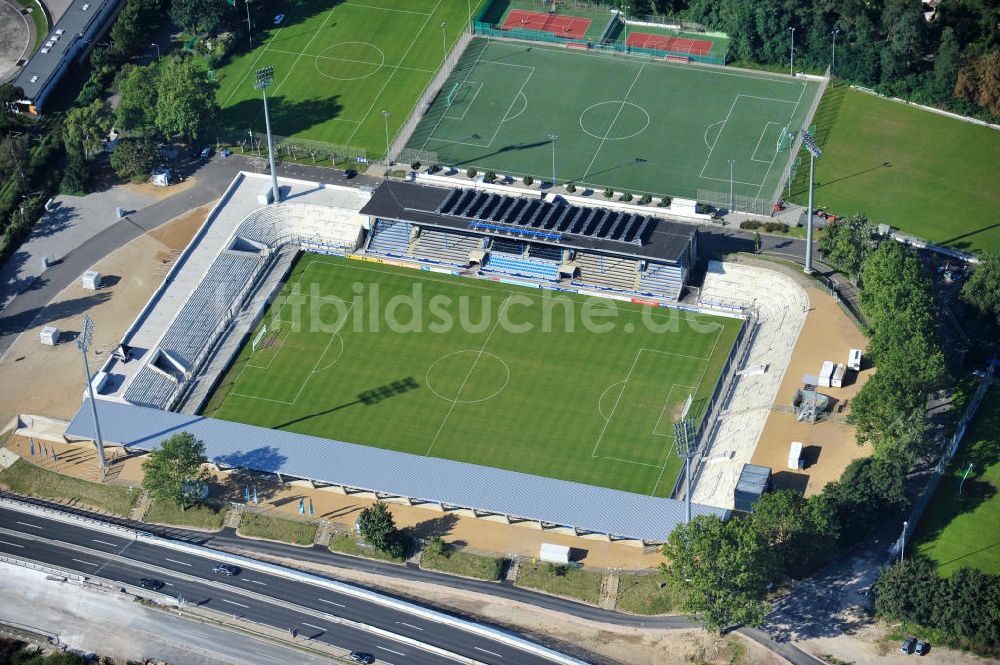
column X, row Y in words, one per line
column 488, row 632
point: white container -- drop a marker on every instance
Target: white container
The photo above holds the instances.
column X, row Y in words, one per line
column 266, row 195
column 854, row 360
column 837, row 381
column 91, row 280
column 554, row 553
column 826, row 373
column 50, row 335
column 795, row 455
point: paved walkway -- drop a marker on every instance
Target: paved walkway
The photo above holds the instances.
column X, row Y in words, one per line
column 17, row 34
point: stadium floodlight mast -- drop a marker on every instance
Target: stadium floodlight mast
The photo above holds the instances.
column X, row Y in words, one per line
column 833, row 55
column 684, row 445
column 902, row 542
column 262, row 80
column 731, row 162
column 385, row 116
column 810, row 144
column 552, row 139
column 83, row 343
column 791, row 57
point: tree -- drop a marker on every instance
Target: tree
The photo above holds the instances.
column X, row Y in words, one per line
column 870, row 489
column 846, row 243
column 14, row 156
column 982, row 291
column 979, row 82
column 946, row 66
column 185, row 102
column 178, row 461
column 726, row 568
column 134, row 158
column 907, row 591
column 76, row 177
column 378, row 528
column 197, row 16
column 86, row 128
column 801, row 533
column 10, row 95
column 138, row 88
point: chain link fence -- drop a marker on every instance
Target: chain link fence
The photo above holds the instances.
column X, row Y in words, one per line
column 741, row 202
column 289, row 147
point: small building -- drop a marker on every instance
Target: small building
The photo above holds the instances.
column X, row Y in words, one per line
column 68, row 43
column 754, row 481
column 50, row 335
column 91, row 280
column 554, row 553
column 160, row 177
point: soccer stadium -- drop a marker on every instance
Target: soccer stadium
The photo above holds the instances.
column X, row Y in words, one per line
column 463, row 343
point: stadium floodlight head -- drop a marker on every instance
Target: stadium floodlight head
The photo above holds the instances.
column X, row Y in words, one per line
column 810, row 145
column 263, row 78
column 83, row 343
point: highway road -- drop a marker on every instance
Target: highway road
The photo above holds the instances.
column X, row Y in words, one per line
column 265, row 598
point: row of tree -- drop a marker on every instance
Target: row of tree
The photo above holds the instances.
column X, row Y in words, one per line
column 950, row 61
column 965, row 607
column 727, row 569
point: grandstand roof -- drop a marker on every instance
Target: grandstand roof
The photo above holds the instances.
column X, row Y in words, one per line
column 553, row 221
column 455, row 484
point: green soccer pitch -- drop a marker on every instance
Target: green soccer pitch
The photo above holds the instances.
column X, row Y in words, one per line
column 496, row 386
column 339, row 65
column 629, row 123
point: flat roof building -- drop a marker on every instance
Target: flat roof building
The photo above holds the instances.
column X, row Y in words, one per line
column 69, row 41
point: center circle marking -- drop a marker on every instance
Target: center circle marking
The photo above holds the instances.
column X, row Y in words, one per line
column 349, row 61
column 622, row 112
column 451, row 358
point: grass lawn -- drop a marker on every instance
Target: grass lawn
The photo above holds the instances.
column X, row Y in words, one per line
column 41, row 23
column 463, row 563
column 256, row 525
column 591, row 406
column 199, row 516
column 647, row 594
column 338, row 66
column 964, row 530
column 633, row 124
column 567, row 581
column 26, row 478
column 928, row 175
column 345, row 544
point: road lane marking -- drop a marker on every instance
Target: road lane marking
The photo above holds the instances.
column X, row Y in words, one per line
column 312, row 626
column 324, row 600
column 89, row 563
column 102, row 542
column 409, row 625
column 492, row 653
column 168, row 583
column 398, row 653
column 257, row 582
column 33, row 526
column 7, row 542
column 180, row 563
column 233, row 602
column 261, row 653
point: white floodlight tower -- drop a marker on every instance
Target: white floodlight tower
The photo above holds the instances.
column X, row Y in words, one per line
column 552, row 139
column 684, row 442
column 83, row 343
column 263, row 79
column 810, row 145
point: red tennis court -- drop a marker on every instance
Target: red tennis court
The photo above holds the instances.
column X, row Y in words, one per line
column 571, row 27
column 667, row 43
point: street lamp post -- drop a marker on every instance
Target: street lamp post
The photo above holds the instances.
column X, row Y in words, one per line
column 791, row 58
column 385, row 115
column 902, row 542
column 731, row 162
column 833, row 56
column 264, row 78
column 249, row 31
column 83, row 343
column 157, row 47
column 552, row 139
column 810, row 145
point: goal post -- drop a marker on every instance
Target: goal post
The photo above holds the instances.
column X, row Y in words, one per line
column 687, row 406
column 258, row 338
column 785, row 139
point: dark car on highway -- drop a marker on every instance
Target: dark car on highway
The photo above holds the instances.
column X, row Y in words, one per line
column 361, row 657
column 225, row 569
column 151, row 584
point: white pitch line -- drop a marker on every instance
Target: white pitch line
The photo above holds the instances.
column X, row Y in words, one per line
column 492, row 653
column 179, row 563
column 615, row 119
column 324, row 600
column 233, row 602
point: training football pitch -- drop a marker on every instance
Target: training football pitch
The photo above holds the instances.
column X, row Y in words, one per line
column 552, row 384
column 630, row 123
column 339, row 65
column 964, row 529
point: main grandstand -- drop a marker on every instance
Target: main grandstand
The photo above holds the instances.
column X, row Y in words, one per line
column 213, row 299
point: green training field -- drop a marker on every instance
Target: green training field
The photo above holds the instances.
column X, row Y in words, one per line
column 926, row 174
column 634, row 124
column 339, row 65
column 477, row 374
column 964, row 530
